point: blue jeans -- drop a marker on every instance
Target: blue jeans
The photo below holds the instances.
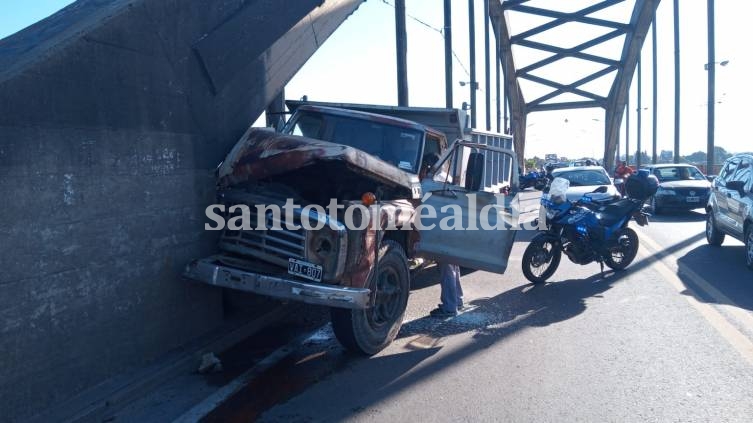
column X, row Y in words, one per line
column 452, row 292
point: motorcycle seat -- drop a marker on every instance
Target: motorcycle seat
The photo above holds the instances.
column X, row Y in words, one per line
column 611, row 213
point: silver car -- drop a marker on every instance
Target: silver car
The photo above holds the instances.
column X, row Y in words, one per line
column 730, row 206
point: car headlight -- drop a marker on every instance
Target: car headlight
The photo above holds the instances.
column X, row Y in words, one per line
column 664, row 191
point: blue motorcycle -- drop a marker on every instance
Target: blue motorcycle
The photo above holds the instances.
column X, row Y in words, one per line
column 532, row 179
column 587, row 231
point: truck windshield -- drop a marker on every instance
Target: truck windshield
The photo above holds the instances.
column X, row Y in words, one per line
column 393, row 144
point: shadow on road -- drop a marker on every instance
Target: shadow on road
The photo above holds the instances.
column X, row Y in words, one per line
column 698, row 215
column 724, row 269
column 491, row 322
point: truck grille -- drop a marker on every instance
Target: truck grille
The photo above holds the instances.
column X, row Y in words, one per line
column 274, row 246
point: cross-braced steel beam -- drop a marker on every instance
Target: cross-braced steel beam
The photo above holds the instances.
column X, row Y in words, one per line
column 614, row 103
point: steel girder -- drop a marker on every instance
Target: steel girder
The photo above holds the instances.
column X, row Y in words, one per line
column 614, row 103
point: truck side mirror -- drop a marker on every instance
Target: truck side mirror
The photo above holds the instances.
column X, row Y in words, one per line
column 474, row 173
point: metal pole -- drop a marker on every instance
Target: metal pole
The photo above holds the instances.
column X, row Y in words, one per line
column 638, row 131
column 402, row 53
column 472, row 41
column 627, row 131
column 487, row 74
column 655, row 90
column 506, row 107
column 276, row 111
column 498, row 68
column 617, row 149
column 712, row 91
column 448, row 54
column 677, row 80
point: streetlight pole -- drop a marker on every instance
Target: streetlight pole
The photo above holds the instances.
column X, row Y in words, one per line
column 402, row 49
column 448, row 54
column 655, row 90
column 711, row 91
column 638, row 139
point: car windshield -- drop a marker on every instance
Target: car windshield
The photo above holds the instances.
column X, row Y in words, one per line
column 393, row 144
column 585, row 177
column 678, row 173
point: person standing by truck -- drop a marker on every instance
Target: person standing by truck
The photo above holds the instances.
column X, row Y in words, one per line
column 449, row 274
column 452, row 293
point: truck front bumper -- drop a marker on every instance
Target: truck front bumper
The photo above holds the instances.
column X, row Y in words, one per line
column 211, row 271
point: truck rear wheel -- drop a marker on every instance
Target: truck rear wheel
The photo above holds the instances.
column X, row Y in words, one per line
column 370, row 330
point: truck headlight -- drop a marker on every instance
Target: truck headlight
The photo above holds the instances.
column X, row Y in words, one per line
column 328, row 247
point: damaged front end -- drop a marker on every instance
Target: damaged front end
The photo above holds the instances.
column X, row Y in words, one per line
column 279, row 257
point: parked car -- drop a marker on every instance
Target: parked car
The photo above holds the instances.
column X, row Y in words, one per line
column 681, row 187
column 730, row 206
column 585, row 179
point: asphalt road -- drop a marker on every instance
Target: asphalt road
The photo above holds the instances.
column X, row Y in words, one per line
column 669, row 339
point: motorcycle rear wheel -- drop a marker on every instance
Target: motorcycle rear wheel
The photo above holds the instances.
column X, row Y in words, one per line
column 624, row 253
column 541, row 259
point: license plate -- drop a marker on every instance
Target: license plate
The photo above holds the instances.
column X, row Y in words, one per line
column 305, row 269
column 693, row 199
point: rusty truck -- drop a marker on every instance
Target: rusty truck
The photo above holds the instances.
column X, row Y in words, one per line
column 358, row 158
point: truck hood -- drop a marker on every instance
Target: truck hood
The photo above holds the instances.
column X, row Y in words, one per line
column 262, row 154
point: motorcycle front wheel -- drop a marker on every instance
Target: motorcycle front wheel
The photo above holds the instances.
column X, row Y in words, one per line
column 541, row 259
column 624, row 253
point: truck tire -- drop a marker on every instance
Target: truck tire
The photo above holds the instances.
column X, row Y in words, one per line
column 371, row 330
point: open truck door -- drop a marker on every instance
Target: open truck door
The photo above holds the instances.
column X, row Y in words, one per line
column 462, row 220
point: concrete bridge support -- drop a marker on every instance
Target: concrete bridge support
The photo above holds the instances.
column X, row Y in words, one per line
column 113, row 115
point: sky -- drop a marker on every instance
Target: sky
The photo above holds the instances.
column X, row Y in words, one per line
column 357, row 65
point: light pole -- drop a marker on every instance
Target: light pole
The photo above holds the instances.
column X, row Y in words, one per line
column 448, row 54
column 653, row 88
column 638, row 109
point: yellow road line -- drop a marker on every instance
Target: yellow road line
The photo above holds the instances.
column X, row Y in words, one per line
column 726, row 329
column 743, row 316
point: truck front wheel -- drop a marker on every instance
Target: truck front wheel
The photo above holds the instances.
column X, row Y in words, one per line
column 370, row 330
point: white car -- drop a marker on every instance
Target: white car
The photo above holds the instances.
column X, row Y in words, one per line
column 585, row 179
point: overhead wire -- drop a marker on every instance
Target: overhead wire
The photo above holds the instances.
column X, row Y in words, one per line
column 435, row 29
